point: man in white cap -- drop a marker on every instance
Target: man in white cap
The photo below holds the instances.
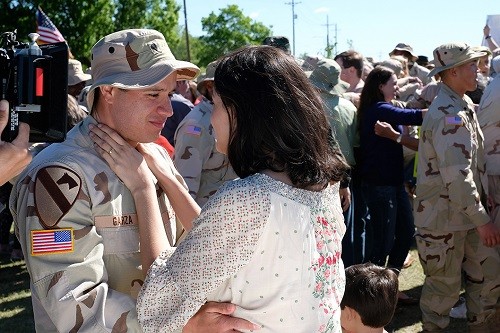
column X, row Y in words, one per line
column 76, row 77
column 455, row 234
column 76, row 220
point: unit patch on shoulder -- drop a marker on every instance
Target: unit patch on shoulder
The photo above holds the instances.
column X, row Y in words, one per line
column 56, row 190
column 51, row 241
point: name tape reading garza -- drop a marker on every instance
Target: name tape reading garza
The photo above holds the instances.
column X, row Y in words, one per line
column 51, row 241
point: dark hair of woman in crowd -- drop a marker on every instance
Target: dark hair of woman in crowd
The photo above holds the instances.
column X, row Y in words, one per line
column 277, row 120
column 371, row 93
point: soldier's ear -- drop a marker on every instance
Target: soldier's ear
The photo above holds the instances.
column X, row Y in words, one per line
column 107, row 92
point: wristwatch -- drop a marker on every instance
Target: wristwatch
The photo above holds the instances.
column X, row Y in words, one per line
column 398, row 140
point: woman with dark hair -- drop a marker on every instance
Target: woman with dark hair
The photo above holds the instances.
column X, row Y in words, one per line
column 381, row 168
column 269, row 242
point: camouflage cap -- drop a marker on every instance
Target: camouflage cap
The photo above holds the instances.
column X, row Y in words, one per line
column 135, row 59
column 326, row 77
column 452, row 55
column 280, row 42
column 482, row 49
column 75, row 73
column 394, row 64
column 205, row 77
column 405, row 48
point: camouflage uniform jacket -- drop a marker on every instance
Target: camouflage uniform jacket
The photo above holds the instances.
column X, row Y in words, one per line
column 203, row 168
column 78, row 227
column 342, row 117
column 488, row 116
column 451, row 169
column 421, row 72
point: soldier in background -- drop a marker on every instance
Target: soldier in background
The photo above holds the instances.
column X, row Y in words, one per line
column 454, row 232
column 341, row 114
column 76, row 77
column 77, row 221
column 488, row 115
column 416, row 70
column 203, row 168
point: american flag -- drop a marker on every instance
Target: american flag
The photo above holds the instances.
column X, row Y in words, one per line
column 51, row 241
column 194, row 130
column 46, row 29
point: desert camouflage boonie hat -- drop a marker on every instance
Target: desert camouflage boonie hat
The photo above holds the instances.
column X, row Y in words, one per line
column 205, row 77
column 452, row 55
column 326, row 77
column 135, row 59
column 394, row 64
column 405, row 48
column 75, row 73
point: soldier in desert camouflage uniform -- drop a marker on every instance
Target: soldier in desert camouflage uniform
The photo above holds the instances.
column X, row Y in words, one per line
column 203, row 168
column 77, row 222
column 488, row 116
column 454, row 231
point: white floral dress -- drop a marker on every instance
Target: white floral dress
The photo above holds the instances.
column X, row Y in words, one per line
column 271, row 249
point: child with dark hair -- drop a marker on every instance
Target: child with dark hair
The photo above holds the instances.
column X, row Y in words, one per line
column 370, row 298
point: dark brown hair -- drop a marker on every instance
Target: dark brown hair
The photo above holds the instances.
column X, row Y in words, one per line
column 351, row 58
column 372, row 291
column 277, row 119
column 371, row 92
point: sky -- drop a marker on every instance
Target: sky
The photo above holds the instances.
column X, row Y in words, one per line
column 367, row 26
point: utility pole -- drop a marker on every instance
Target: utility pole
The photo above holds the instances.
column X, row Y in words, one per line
column 293, row 3
column 329, row 47
column 186, row 32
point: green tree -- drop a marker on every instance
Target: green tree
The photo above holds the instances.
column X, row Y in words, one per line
column 228, row 31
column 161, row 15
column 83, row 23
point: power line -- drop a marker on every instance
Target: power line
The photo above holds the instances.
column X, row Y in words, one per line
column 329, row 48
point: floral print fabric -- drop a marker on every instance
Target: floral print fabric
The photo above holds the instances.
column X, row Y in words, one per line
column 271, row 249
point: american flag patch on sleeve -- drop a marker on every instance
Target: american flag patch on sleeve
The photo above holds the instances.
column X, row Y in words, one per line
column 194, row 130
column 51, row 241
column 453, row 120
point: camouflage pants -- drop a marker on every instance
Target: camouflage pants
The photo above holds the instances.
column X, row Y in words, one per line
column 446, row 257
column 494, row 193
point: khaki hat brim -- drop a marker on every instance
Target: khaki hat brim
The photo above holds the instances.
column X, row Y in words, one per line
column 77, row 78
column 144, row 78
column 413, row 57
column 201, row 86
column 473, row 56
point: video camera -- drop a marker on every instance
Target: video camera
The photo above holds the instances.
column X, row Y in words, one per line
column 34, row 80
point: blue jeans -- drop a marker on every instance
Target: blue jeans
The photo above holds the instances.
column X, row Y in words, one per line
column 391, row 224
column 356, row 218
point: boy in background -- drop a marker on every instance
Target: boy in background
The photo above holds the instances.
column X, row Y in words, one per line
column 370, row 298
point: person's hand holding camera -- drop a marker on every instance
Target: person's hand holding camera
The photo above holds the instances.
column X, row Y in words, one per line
column 14, row 156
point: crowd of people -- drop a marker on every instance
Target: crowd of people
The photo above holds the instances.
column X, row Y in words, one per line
column 268, row 194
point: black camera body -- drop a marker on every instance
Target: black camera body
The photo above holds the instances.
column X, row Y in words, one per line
column 34, row 80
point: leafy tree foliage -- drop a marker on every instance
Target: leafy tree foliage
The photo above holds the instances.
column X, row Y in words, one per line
column 228, row 31
column 83, row 23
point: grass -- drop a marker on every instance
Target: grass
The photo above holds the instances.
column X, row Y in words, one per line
column 16, row 313
column 408, row 319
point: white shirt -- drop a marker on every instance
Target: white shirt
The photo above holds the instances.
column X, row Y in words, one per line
column 271, row 249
